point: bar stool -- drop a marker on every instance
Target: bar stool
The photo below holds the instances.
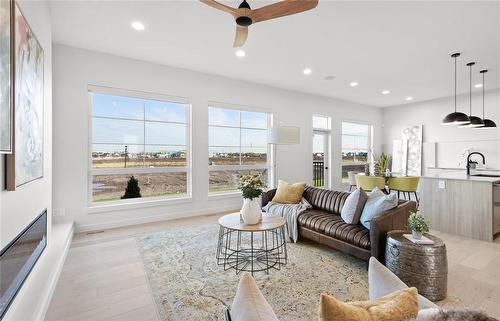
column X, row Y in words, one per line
column 352, row 179
column 368, row 183
column 406, row 185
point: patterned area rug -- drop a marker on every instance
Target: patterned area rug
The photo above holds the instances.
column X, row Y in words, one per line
column 187, row 284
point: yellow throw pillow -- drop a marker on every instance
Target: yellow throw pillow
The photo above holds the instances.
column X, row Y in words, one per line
column 289, row 193
column 398, row 306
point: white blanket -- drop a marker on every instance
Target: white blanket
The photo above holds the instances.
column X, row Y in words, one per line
column 289, row 212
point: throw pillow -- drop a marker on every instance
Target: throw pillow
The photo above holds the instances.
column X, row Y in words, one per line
column 353, row 206
column 376, row 204
column 398, row 306
column 289, row 193
column 381, row 281
column 453, row 315
column 249, row 304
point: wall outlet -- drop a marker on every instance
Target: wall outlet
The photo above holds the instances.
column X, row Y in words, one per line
column 58, row 212
column 442, row 184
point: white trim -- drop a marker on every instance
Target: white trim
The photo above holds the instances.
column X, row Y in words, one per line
column 224, row 195
column 239, row 107
column 155, row 218
column 137, row 94
column 133, row 203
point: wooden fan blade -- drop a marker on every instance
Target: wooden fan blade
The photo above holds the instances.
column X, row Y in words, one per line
column 282, row 8
column 241, row 36
column 220, row 6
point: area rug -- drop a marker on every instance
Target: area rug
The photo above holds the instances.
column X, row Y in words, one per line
column 187, row 284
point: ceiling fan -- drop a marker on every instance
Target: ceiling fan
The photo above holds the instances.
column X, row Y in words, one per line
column 245, row 16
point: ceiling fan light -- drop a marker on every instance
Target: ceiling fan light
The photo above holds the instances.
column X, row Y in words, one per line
column 244, row 21
column 456, row 118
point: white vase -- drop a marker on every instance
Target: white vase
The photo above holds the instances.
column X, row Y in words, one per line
column 416, row 235
column 251, row 211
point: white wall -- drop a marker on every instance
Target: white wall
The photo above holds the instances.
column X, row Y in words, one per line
column 75, row 69
column 450, row 141
column 19, row 208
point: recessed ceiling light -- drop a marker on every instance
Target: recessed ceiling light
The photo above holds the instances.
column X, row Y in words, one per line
column 409, row 98
column 307, row 71
column 137, row 25
column 478, row 85
column 240, row 53
column 353, row 84
column 385, row 92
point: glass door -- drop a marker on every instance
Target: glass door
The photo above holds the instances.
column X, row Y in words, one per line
column 320, row 159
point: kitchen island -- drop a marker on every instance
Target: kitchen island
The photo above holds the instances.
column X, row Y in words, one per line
column 462, row 204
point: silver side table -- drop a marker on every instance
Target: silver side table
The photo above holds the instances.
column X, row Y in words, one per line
column 422, row 266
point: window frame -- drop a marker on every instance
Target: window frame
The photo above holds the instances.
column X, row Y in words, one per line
column 150, row 200
column 370, row 141
column 270, row 156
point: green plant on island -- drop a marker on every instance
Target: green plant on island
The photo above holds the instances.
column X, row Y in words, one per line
column 417, row 223
column 251, row 185
column 132, row 190
column 383, row 162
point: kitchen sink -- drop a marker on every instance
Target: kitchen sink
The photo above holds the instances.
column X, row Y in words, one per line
column 485, row 175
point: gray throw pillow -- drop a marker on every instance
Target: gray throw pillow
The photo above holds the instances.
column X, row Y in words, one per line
column 455, row 315
column 353, row 206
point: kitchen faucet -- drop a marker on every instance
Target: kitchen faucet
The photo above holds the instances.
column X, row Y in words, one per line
column 471, row 162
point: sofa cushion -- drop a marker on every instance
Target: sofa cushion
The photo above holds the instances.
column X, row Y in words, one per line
column 334, row 226
column 398, row 306
column 249, row 304
column 289, row 193
column 381, row 281
column 376, row 204
column 325, row 200
column 353, row 206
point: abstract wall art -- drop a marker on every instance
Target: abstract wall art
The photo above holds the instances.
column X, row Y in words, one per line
column 25, row 164
column 6, row 75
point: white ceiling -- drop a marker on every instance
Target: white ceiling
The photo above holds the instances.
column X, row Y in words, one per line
column 400, row 46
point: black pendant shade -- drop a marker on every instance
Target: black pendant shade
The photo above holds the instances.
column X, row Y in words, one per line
column 488, row 123
column 456, row 118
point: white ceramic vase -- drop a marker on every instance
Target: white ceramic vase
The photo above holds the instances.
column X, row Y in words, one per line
column 416, row 235
column 251, row 211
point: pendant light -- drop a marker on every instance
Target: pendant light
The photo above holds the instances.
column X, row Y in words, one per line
column 456, row 118
column 474, row 120
column 488, row 123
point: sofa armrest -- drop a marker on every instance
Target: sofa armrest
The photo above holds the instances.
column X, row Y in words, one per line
column 395, row 219
column 268, row 196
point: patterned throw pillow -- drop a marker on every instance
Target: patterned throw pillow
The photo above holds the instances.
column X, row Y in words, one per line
column 398, row 306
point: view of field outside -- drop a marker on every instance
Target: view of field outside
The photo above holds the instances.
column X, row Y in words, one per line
column 139, row 137
column 237, row 146
column 356, row 145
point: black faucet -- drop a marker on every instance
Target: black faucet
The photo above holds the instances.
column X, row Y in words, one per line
column 471, row 162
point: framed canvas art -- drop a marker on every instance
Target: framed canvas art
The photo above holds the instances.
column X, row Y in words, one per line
column 6, row 74
column 25, row 164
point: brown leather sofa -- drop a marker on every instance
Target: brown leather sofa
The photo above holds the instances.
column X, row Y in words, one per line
column 323, row 224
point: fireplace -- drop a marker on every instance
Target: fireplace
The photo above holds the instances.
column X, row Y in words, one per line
column 18, row 258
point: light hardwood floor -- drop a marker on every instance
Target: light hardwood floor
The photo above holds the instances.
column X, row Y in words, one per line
column 104, row 279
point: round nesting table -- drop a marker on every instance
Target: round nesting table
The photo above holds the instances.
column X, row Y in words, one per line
column 251, row 248
column 422, row 266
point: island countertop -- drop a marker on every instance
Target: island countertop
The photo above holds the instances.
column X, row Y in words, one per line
column 463, row 176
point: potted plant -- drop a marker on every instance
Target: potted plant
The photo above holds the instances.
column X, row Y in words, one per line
column 383, row 161
column 251, row 186
column 418, row 225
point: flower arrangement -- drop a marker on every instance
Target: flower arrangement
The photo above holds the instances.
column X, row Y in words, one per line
column 418, row 224
column 251, row 185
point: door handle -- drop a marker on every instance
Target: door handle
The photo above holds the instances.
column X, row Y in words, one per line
column 326, row 167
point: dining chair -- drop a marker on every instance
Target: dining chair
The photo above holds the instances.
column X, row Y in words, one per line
column 352, row 179
column 406, row 185
column 368, row 183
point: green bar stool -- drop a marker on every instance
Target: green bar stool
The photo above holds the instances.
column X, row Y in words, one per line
column 406, row 185
column 368, row 183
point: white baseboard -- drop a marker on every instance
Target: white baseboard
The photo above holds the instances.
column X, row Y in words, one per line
column 33, row 299
column 153, row 218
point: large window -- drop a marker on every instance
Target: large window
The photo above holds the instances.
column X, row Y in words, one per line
column 237, row 146
column 356, row 147
column 144, row 138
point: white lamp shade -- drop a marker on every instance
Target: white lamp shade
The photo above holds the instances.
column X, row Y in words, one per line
column 283, row 135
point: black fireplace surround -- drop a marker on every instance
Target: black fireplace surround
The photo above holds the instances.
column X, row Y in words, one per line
column 18, row 258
